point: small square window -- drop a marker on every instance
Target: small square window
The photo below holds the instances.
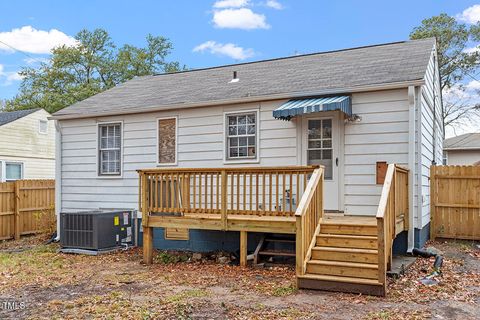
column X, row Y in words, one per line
column 43, row 126
column 13, row 171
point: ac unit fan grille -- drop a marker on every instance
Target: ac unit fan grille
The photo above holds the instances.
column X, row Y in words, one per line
column 78, row 230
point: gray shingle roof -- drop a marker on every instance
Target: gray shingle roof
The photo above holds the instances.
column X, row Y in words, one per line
column 334, row 71
column 464, row 141
column 6, row 117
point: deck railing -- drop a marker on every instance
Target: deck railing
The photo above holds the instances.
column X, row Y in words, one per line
column 392, row 212
column 270, row 191
column 308, row 215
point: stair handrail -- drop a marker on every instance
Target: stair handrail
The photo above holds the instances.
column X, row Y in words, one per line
column 308, row 215
column 387, row 214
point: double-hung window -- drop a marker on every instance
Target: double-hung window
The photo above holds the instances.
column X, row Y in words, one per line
column 241, row 136
column 109, row 149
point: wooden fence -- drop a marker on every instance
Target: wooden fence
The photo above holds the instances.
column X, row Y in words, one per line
column 26, row 207
column 455, row 202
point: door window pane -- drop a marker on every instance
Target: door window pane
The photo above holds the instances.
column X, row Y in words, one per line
column 320, row 150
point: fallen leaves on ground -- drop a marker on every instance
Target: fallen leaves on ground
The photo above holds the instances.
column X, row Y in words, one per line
column 118, row 285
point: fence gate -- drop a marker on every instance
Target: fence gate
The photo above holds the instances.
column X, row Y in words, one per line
column 455, row 202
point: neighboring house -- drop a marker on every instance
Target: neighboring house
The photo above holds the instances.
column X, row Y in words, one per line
column 345, row 109
column 27, row 145
column 462, row 150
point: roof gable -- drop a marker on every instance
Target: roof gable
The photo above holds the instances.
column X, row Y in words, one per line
column 335, row 71
column 7, row 117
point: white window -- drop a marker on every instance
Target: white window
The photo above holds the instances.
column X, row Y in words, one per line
column 13, row 171
column 109, row 147
column 241, row 136
column 320, row 150
column 43, row 126
column 445, row 158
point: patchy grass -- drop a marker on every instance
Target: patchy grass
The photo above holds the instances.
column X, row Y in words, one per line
column 284, row 290
column 114, row 286
column 185, row 295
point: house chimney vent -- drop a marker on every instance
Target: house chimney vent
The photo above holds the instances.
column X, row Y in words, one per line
column 235, row 77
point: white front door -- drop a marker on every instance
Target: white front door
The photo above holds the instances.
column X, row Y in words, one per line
column 321, row 147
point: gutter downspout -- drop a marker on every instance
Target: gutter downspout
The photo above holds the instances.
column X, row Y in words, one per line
column 411, row 166
column 58, row 175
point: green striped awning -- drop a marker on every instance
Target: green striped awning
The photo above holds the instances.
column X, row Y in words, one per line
column 296, row 107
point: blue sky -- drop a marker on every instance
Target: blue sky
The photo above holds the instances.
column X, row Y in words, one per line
column 207, row 33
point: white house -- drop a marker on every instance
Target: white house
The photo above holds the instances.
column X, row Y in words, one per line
column 27, row 145
column 462, row 150
column 349, row 110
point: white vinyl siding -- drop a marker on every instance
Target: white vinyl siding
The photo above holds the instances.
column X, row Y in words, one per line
column 427, row 138
column 21, row 142
column 201, row 143
column 381, row 135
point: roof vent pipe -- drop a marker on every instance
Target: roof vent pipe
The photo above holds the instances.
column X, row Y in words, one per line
column 235, row 78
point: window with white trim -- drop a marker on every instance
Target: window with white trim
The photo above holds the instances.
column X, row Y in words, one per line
column 242, row 136
column 13, row 171
column 109, row 148
column 42, row 126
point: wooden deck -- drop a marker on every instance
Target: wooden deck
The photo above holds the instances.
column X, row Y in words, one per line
column 333, row 251
column 235, row 222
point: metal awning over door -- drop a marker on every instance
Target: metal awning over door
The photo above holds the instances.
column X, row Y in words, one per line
column 296, row 107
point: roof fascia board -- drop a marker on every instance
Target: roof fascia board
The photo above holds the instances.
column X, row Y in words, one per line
column 376, row 87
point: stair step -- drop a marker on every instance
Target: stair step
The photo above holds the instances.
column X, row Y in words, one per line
column 345, row 254
column 341, row 284
column 348, row 229
column 340, row 268
column 277, row 253
column 280, row 240
column 340, row 279
column 347, row 241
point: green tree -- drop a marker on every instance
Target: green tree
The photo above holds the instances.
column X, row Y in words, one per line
column 457, row 60
column 95, row 64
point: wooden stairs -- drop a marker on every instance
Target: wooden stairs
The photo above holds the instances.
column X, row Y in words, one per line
column 345, row 257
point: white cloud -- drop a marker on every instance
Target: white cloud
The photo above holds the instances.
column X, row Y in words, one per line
column 274, row 4
column 8, row 77
column 222, row 4
column 31, row 40
column 473, row 85
column 242, row 18
column 470, row 15
column 31, row 61
column 228, row 49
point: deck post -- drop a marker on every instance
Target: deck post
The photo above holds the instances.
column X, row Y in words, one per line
column 148, row 245
column 243, row 248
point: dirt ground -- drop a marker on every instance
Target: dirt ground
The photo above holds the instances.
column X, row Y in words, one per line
column 43, row 284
